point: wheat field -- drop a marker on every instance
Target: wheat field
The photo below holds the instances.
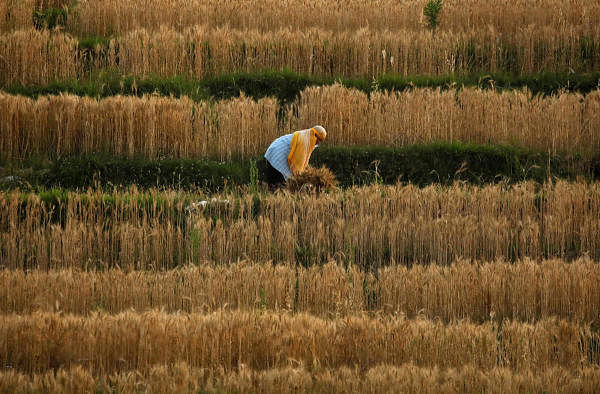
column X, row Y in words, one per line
column 109, row 343
column 525, row 291
column 114, row 292
column 461, row 288
column 40, row 57
column 107, row 17
column 370, row 227
column 150, row 126
column 179, row 377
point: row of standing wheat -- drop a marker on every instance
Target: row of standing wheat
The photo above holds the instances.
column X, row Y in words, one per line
column 261, row 340
column 368, row 226
column 181, row 378
column 31, row 56
column 106, row 17
column 52, row 126
column 523, row 291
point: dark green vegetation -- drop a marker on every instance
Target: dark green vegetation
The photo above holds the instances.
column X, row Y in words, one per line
column 287, row 85
column 50, row 18
column 421, row 165
column 432, row 13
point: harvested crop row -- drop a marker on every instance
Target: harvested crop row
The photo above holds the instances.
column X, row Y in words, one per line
column 180, row 378
column 524, row 291
column 201, row 51
column 52, row 126
column 111, row 343
column 369, row 226
column 105, row 17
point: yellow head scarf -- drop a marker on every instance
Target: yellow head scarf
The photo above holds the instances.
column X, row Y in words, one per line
column 302, row 145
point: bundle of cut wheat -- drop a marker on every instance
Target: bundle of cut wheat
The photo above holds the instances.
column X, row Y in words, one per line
column 313, row 180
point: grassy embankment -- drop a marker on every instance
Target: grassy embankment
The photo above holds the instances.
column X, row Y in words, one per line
column 442, row 163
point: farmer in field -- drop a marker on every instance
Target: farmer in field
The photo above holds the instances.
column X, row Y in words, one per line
column 289, row 154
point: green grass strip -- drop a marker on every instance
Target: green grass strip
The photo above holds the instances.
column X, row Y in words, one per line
column 287, row 85
column 438, row 163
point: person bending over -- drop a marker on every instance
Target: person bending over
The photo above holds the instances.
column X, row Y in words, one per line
column 289, row 154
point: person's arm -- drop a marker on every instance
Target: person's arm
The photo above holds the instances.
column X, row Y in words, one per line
column 293, row 146
column 311, row 151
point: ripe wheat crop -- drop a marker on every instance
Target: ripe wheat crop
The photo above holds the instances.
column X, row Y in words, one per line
column 32, row 56
column 493, row 288
column 129, row 341
column 54, row 126
column 16, row 15
column 106, row 17
column 21, row 14
column 112, row 16
column 201, row 51
column 127, row 126
column 559, row 123
column 180, row 377
column 524, row 290
column 369, row 226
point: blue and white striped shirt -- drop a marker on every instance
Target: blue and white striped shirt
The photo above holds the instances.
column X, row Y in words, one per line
column 277, row 154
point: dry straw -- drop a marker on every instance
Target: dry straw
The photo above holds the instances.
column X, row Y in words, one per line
column 312, row 180
column 524, row 291
column 152, row 126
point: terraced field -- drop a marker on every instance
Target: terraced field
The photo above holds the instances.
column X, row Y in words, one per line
column 140, row 250
column 159, row 126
